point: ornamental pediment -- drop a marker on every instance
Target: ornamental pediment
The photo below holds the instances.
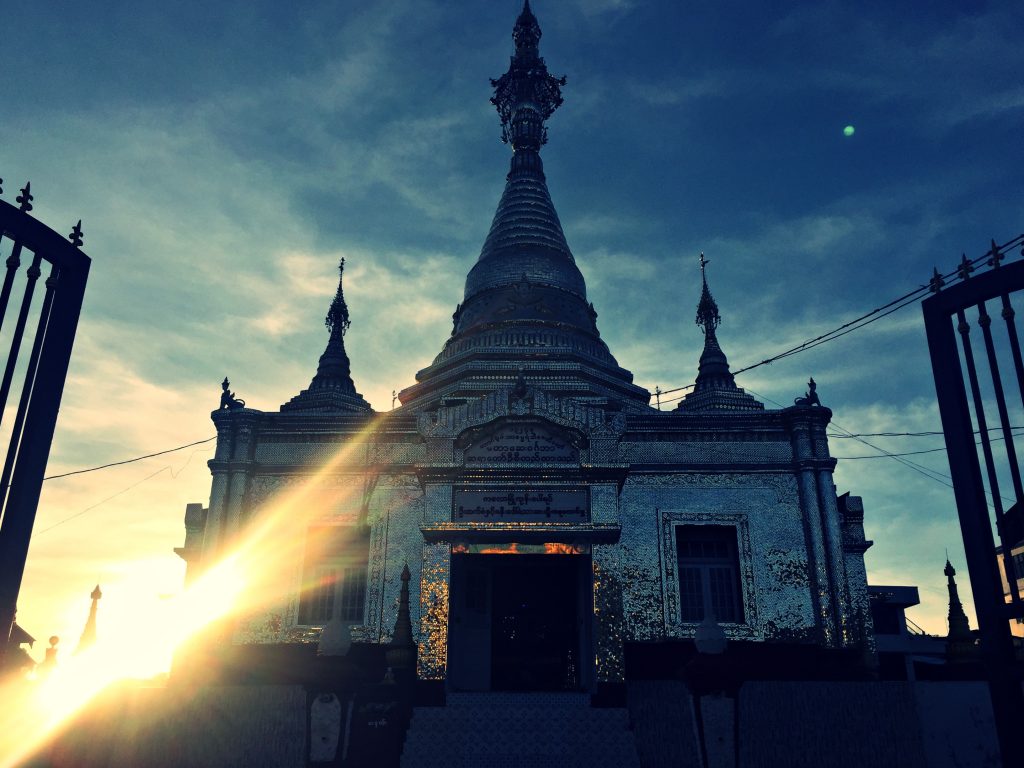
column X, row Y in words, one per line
column 516, row 440
column 528, row 403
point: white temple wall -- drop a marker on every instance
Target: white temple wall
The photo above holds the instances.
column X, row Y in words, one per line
column 772, row 552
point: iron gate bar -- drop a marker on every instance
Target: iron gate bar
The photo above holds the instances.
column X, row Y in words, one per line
column 1011, row 330
column 40, row 400
column 30, row 373
column 985, row 321
column 979, row 413
column 13, row 262
column 969, row 491
column 31, row 275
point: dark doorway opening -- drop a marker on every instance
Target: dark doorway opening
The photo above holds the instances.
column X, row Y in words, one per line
column 534, row 624
column 520, row 622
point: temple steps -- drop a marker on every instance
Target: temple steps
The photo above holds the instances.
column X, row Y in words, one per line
column 502, row 730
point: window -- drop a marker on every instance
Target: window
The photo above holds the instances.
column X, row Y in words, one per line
column 334, row 577
column 353, row 595
column 709, row 573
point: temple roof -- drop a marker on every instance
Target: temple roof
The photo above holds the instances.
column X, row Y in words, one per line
column 525, row 303
column 526, row 237
column 715, row 388
column 526, row 242
column 332, row 388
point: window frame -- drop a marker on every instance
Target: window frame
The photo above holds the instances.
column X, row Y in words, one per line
column 335, row 589
column 675, row 626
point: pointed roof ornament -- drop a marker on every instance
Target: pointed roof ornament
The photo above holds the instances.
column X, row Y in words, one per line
column 337, row 316
column 708, row 317
column 332, row 388
column 959, row 640
column 526, row 96
column 88, row 638
column 401, row 651
column 959, row 627
column 715, row 388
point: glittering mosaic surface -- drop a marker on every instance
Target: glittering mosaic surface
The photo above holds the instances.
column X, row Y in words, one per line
column 767, row 475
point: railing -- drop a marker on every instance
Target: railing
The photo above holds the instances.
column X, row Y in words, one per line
column 993, row 369
column 41, row 374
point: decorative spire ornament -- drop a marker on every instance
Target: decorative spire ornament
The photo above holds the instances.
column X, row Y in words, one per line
column 332, row 388
column 526, row 96
column 708, row 317
column 401, row 651
column 337, row 319
column 715, row 388
column 88, row 638
column 959, row 627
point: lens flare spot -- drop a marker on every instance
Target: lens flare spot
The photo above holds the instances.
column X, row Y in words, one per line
column 849, row 130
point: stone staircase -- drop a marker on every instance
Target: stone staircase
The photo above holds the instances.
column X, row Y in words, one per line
column 519, row 730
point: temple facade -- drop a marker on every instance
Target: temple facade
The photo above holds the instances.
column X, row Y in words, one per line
column 549, row 516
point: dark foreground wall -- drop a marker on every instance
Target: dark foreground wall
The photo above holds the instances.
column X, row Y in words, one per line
column 261, row 726
column 792, row 724
column 815, row 724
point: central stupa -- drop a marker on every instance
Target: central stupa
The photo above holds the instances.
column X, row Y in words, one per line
column 525, row 308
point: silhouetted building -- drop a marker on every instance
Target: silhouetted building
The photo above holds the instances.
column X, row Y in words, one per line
column 548, row 514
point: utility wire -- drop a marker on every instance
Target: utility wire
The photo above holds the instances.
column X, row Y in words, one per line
column 174, row 475
column 129, row 461
column 888, row 455
column 931, row 474
column 911, row 434
column 866, row 319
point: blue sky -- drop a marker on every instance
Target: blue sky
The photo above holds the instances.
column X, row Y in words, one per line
column 224, row 156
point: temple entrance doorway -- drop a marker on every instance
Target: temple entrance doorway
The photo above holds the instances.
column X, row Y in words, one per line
column 520, row 622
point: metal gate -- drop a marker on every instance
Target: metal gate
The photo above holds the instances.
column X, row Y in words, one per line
column 40, row 375
column 986, row 360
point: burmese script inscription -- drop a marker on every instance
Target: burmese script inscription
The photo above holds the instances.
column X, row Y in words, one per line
column 561, row 505
column 521, row 442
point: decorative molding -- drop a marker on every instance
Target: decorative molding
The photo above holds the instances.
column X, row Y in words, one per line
column 750, row 629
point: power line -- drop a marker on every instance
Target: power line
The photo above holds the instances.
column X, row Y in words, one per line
column 888, row 455
column 866, row 319
column 129, row 461
column 174, row 475
column 931, row 474
column 912, row 434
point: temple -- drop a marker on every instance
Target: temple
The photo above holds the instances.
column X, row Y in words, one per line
column 526, row 436
column 553, row 530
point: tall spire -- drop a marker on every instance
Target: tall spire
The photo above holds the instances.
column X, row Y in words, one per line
column 960, row 628
column 402, row 651
column 525, row 299
column 526, row 96
column 88, row 637
column 715, row 388
column 332, row 388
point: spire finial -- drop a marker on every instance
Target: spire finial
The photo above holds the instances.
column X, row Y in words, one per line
column 337, row 316
column 332, row 387
column 707, row 310
column 526, row 95
column 88, row 637
column 715, row 388
column 959, row 628
column 401, row 651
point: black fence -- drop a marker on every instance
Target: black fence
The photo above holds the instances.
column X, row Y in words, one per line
column 979, row 380
column 44, row 327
